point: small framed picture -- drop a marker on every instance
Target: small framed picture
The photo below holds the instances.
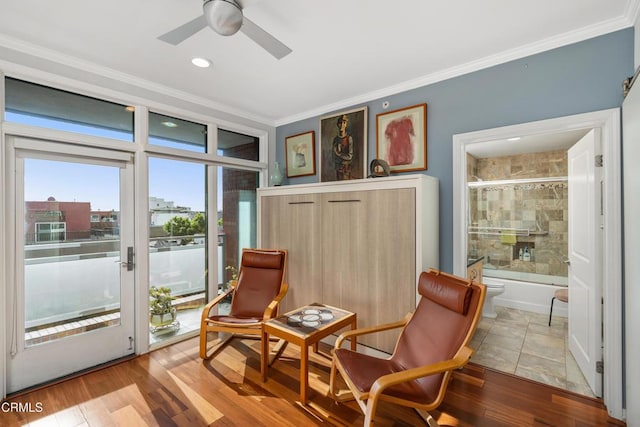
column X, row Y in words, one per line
column 300, row 154
column 343, row 145
column 401, row 138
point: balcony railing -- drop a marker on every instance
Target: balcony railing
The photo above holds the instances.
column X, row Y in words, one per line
column 70, row 280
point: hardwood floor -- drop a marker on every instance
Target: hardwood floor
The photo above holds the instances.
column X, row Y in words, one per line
column 173, row 387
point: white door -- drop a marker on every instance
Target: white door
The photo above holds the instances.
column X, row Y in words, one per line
column 70, row 302
column 631, row 152
column 585, row 243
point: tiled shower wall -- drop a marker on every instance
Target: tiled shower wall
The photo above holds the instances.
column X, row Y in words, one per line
column 540, row 207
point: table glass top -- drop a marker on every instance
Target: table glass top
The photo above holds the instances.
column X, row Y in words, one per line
column 309, row 318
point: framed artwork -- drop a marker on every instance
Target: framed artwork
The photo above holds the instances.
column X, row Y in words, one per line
column 343, row 146
column 401, row 138
column 300, row 154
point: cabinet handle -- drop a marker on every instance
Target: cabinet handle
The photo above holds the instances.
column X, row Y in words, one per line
column 301, row 203
column 344, row 201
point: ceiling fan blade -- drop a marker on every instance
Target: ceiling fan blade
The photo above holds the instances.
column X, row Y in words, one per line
column 269, row 43
column 184, row 31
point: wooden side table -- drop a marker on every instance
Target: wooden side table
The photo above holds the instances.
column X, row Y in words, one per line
column 305, row 327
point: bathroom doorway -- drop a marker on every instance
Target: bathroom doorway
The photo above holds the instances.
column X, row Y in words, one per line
column 518, row 139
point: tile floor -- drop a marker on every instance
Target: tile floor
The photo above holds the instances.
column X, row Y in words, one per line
column 521, row 343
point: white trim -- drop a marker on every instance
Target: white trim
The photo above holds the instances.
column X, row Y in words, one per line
column 206, row 158
column 579, row 35
column 90, row 67
column 390, row 182
column 609, row 123
column 141, row 230
column 140, row 150
column 3, row 242
column 56, row 81
column 37, row 132
column 624, row 21
column 212, row 232
column 45, row 150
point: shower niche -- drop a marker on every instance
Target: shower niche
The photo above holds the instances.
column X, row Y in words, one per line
column 523, row 251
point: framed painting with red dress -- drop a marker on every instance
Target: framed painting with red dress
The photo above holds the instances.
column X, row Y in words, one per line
column 401, row 138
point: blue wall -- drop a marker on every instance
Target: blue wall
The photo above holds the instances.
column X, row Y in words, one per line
column 578, row 78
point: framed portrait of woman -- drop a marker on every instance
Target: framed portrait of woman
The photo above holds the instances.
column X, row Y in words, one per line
column 343, row 146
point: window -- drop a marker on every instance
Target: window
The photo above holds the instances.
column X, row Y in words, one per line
column 172, row 132
column 178, row 241
column 237, row 145
column 38, row 105
column 236, row 217
column 51, row 232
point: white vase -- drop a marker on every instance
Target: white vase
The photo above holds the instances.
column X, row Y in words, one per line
column 276, row 174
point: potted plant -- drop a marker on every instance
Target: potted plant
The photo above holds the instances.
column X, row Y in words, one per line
column 233, row 273
column 161, row 312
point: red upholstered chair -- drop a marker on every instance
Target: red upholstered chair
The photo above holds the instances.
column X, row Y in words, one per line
column 433, row 342
column 256, row 295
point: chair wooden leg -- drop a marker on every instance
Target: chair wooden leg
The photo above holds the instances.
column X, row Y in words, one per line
column 332, row 380
column 551, row 310
column 431, row 422
column 203, row 342
column 370, row 412
column 206, row 354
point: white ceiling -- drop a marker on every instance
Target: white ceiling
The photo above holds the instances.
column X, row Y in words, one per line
column 345, row 52
column 538, row 143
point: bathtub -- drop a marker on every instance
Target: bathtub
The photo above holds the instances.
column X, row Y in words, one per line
column 529, row 291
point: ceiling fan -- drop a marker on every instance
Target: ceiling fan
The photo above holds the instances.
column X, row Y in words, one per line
column 225, row 17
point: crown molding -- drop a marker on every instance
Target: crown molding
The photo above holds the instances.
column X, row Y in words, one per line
column 585, row 33
column 44, row 54
column 626, row 20
column 631, row 12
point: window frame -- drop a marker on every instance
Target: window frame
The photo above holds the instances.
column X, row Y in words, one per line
column 140, row 149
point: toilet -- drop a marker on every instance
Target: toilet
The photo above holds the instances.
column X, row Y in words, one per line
column 493, row 289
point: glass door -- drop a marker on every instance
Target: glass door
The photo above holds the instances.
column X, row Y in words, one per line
column 71, row 305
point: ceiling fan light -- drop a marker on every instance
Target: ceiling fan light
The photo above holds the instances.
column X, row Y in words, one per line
column 223, row 16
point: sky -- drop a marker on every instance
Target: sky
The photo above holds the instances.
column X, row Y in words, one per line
column 173, row 180
column 177, row 181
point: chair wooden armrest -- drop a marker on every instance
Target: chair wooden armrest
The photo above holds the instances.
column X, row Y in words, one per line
column 371, row 330
column 206, row 311
column 273, row 305
column 261, row 275
column 442, row 324
column 385, row 381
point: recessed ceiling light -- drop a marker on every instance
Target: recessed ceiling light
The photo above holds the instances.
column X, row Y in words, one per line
column 517, row 138
column 201, row 62
column 170, row 124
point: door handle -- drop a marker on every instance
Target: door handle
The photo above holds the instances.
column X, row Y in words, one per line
column 129, row 262
column 567, row 261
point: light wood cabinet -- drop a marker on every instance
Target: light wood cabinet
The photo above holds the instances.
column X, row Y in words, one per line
column 358, row 245
column 293, row 222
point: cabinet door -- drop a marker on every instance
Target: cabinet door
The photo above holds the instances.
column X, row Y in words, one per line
column 292, row 222
column 369, row 257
